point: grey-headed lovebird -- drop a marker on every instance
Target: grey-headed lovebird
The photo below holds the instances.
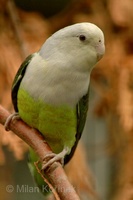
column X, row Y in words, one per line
column 51, row 89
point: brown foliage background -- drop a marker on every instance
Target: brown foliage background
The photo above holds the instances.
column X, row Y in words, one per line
column 22, row 33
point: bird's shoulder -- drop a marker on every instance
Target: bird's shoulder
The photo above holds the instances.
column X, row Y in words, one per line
column 18, row 78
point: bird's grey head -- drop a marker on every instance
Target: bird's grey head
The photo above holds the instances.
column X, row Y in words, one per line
column 81, row 44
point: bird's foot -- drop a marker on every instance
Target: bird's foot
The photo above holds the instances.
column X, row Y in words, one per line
column 52, row 157
column 12, row 117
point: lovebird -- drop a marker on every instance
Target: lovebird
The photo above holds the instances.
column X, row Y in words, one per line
column 51, row 89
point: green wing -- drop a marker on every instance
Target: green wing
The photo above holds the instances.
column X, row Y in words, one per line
column 82, row 108
column 17, row 80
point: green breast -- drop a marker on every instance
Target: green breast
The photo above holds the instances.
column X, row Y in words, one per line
column 57, row 123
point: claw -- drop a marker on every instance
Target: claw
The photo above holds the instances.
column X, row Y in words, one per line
column 12, row 117
column 54, row 158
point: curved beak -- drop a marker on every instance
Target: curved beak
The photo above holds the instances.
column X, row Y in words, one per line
column 100, row 51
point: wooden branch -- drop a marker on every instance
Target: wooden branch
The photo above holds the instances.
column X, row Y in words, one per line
column 14, row 18
column 35, row 140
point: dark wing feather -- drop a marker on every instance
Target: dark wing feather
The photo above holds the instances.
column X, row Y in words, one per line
column 82, row 108
column 18, row 79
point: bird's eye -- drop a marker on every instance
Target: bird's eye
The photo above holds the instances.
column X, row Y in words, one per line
column 82, row 37
column 100, row 41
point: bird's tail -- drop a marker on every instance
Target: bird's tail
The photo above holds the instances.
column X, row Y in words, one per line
column 33, row 158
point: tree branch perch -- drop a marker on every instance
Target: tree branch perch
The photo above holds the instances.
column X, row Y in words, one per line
column 35, row 140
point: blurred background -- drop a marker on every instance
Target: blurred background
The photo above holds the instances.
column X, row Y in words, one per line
column 102, row 167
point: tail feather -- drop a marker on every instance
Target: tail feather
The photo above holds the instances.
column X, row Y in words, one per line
column 44, row 188
column 77, row 171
